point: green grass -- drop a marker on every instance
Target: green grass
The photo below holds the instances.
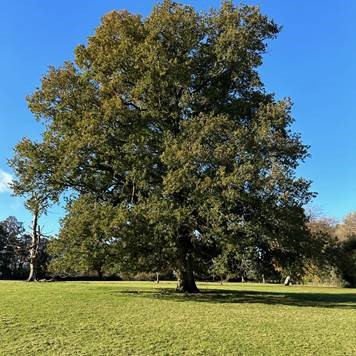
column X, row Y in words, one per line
column 141, row 318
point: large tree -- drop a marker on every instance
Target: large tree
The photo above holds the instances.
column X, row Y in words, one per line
column 166, row 119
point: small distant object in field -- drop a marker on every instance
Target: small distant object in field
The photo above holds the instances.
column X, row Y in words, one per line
column 288, row 281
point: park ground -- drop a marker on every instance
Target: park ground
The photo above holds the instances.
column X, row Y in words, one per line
column 142, row 318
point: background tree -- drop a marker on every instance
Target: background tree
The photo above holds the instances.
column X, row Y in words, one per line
column 230, row 263
column 86, row 241
column 166, row 119
column 347, row 227
column 347, row 261
column 346, row 256
column 324, row 251
column 31, row 184
column 14, row 250
column 34, row 204
column 12, row 243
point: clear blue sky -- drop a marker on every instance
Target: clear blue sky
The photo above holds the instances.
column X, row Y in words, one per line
column 313, row 61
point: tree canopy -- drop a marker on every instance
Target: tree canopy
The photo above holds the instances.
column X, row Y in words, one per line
column 165, row 119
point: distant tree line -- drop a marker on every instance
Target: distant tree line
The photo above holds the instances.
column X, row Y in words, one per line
column 84, row 249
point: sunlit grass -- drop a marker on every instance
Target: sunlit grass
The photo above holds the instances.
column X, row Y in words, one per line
column 142, row 318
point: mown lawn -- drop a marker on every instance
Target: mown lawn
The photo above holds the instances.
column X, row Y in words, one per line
column 141, row 318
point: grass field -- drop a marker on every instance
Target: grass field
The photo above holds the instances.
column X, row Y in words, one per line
column 141, row 318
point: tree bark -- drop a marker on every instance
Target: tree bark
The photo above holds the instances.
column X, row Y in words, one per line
column 35, row 241
column 185, row 273
column 157, row 277
column 287, row 281
column 32, row 275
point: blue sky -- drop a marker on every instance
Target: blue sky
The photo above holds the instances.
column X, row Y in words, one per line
column 313, row 61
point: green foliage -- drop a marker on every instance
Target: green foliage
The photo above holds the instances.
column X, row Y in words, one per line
column 253, row 261
column 131, row 318
column 324, row 242
column 333, row 251
column 347, row 261
column 85, row 242
column 166, row 119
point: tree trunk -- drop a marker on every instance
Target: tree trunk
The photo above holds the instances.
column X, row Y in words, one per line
column 35, row 241
column 263, row 279
column 157, row 277
column 32, row 275
column 186, row 282
column 287, row 281
column 185, row 274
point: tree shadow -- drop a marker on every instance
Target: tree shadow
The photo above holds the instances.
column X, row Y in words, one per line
column 289, row 298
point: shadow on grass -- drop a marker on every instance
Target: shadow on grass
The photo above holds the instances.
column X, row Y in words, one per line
column 290, row 298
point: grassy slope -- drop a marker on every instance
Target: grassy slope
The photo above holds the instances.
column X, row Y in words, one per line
column 138, row 319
